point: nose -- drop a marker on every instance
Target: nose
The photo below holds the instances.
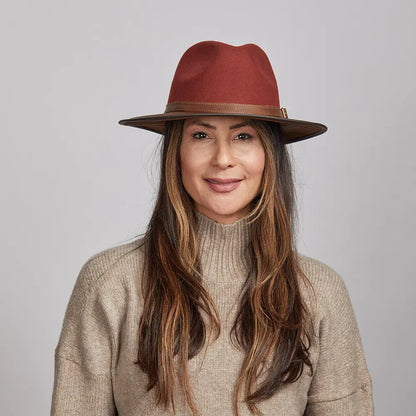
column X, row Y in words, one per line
column 223, row 154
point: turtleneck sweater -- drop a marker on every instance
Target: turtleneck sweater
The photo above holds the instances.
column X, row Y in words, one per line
column 95, row 374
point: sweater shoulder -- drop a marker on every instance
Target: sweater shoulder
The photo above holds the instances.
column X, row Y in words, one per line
column 321, row 275
column 326, row 288
column 110, row 263
column 97, row 302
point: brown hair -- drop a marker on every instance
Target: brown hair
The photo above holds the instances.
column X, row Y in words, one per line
column 272, row 325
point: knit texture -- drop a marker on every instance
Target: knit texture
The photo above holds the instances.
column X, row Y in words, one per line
column 95, row 374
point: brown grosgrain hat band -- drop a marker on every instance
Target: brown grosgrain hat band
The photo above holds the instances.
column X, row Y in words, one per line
column 213, row 78
column 229, row 108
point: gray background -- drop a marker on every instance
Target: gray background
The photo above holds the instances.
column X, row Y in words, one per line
column 74, row 182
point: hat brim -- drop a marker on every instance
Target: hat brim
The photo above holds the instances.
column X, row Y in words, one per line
column 291, row 130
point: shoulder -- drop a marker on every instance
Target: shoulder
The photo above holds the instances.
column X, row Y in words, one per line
column 319, row 273
column 327, row 285
column 96, row 305
column 110, row 264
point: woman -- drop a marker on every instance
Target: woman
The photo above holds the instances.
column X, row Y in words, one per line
column 213, row 311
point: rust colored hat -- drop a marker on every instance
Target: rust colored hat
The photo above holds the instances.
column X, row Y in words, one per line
column 216, row 79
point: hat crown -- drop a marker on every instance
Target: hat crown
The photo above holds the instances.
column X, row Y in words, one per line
column 214, row 72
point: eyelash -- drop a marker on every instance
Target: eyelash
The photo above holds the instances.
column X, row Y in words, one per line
column 194, row 135
column 199, row 133
column 248, row 136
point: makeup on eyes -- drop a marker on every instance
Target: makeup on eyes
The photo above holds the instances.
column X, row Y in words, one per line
column 203, row 135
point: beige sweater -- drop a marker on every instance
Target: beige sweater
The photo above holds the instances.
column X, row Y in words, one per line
column 94, row 370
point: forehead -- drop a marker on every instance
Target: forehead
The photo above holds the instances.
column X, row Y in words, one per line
column 217, row 121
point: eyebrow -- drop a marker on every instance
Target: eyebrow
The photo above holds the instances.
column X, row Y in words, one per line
column 210, row 126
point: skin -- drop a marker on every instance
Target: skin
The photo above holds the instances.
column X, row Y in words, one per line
column 221, row 147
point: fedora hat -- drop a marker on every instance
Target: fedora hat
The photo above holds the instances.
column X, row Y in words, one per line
column 217, row 79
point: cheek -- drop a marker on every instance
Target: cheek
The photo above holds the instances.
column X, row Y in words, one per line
column 256, row 164
column 189, row 166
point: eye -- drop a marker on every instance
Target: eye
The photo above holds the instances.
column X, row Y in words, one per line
column 199, row 135
column 244, row 136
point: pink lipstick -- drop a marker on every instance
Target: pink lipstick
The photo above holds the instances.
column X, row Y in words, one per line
column 223, row 185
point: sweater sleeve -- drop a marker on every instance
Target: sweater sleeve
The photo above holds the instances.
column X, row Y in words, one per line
column 341, row 384
column 83, row 356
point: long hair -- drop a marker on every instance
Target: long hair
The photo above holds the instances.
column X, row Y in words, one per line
column 272, row 326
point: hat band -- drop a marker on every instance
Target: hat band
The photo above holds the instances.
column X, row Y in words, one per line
column 226, row 108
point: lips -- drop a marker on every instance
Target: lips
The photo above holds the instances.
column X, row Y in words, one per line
column 222, row 184
column 223, row 181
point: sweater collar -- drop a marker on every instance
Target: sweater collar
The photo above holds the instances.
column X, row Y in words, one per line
column 224, row 249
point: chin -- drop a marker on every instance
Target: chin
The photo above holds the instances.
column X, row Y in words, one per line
column 226, row 213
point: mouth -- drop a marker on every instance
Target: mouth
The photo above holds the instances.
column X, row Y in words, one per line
column 223, row 185
column 223, row 181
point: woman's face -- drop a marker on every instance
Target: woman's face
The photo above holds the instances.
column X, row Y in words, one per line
column 222, row 164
